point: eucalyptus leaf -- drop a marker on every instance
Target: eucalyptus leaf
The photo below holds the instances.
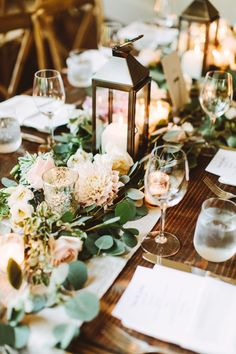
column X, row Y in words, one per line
column 117, row 249
column 83, row 306
column 14, row 274
column 61, row 148
column 67, row 217
column 126, row 211
column 133, row 168
column 131, row 230
column 15, row 315
column 125, row 179
column 231, row 141
column 129, row 239
column 104, row 242
column 142, row 211
column 135, row 194
column 21, row 336
column 112, row 221
column 7, row 335
column 65, row 333
column 38, row 302
column 6, row 182
column 77, row 275
column 89, row 244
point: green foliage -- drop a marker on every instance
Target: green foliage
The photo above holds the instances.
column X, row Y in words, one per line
column 4, row 209
column 83, row 306
column 126, row 210
column 77, row 276
column 14, row 274
column 64, row 334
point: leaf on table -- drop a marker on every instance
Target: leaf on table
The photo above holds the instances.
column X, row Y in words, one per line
column 126, row 210
column 21, row 336
column 104, row 242
column 83, row 306
column 65, row 333
column 135, row 194
column 14, row 273
column 77, row 275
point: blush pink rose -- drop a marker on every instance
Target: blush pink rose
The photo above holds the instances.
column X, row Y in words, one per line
column 65, row 249
column 35, row 173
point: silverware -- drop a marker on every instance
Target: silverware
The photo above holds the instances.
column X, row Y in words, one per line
column 129, row 344
column 152, row 258
column 217, row 190
column 33, row 138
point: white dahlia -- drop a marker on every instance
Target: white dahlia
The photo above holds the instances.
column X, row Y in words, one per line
column 97, row 182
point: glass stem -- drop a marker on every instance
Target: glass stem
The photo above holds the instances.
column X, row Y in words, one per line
column 50, row 116
column 160, row 238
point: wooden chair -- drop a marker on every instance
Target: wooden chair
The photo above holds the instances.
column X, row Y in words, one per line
column 45, row 35
column 20, row 25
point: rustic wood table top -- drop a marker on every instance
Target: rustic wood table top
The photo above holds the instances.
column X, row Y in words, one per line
column 180, row 220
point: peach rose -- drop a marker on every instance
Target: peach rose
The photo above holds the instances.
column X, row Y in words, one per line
column 65, row 249
column 35, row 173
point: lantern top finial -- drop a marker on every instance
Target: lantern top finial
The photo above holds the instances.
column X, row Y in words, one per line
column 122, row 69
column 200, row 11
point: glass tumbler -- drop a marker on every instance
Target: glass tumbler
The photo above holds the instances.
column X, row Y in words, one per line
column 215, row 233
column 10, row 133
column 58, row 186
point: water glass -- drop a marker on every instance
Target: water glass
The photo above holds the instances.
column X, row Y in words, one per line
column 215, row 233
column 10, row 134
column 58, row 189
column 80, row 69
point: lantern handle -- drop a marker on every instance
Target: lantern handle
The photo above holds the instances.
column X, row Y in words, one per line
column 130, row 41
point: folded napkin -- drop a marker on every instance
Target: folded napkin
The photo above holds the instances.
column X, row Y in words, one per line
column 153, row 35
column 28, row 115
column 223, row 165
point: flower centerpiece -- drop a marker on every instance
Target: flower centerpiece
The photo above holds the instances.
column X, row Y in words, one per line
column 43, row 248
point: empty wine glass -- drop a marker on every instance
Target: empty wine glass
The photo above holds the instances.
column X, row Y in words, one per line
column 109, row 37
column 216, row 94
column 48, row 94
column 166, row 181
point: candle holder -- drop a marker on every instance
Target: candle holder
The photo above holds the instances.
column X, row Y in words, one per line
column 125, row 74
column 58, row 189
column 198, row 28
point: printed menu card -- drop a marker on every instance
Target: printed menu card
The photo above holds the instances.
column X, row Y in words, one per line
column 195, row 312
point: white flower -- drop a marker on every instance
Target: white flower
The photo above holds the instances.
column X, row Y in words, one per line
column 97, row 182
column 79, row 157
column 121, row 160
column 21, row 194
column 149, row 56
column 20, row 211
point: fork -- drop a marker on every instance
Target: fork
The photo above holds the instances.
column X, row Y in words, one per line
column 129, row 344
column 217, row 190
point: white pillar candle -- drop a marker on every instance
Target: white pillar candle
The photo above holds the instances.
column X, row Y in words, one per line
column 116, row 133
column 192, row 61
column 11, row 246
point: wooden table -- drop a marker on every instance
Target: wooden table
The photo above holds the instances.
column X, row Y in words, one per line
column 181, row 220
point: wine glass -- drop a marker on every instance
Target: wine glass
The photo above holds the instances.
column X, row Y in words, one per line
column 109, row 37
column 48, row 94
column 166, row 181
column 216, row 94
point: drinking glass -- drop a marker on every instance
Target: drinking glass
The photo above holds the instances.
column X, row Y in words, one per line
column 166, row 181
column 48, row 94
column 109, row 37
column 216, row 94
column 215, row 233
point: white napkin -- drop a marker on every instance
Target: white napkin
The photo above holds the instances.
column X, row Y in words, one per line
column 223, row 165
column 28, row 115
column 153, row 36
column 96, row 58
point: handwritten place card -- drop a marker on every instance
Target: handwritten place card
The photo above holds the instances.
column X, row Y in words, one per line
column 182, row 308
column 175, row 80
column 223, row 164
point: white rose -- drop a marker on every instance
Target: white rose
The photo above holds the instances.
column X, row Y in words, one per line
column 21, row 211
column 121, row 160
column 78, row 158
column 21, row 194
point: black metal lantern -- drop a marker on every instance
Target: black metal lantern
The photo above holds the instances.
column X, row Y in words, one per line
column 121, row 76
column 203, row 14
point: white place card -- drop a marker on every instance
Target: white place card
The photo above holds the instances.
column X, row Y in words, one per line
column 223, row 164
column 182, row 308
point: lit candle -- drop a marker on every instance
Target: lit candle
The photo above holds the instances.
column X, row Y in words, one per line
column 116, row 133
column 192, row 61
column 11, row 246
